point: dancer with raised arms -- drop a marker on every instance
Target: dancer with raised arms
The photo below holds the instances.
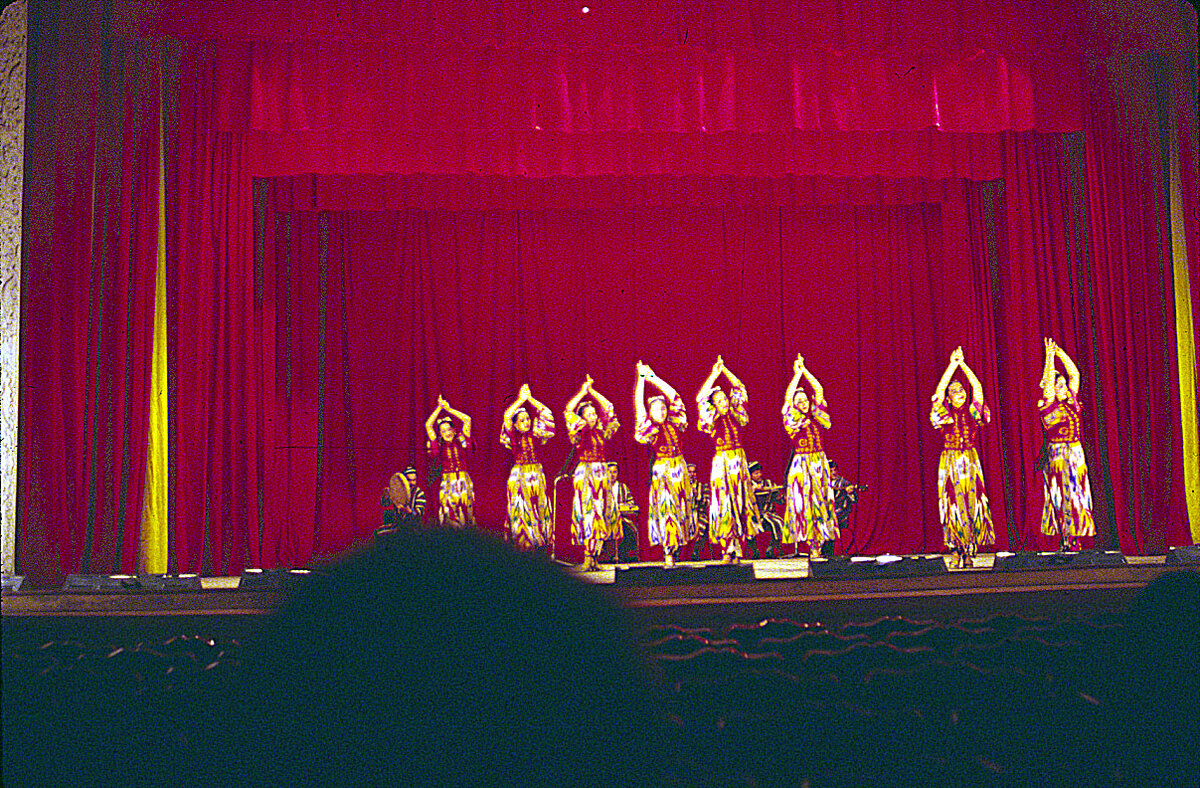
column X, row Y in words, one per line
column 810, row 515
column 528, row 423
column 456, row 494
column 591, row 421
column 732, row 514
column 962, row 501
column 660, row 421
column 1067, row 511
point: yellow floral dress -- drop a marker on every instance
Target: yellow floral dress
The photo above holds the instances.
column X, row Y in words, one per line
column 732, row 511
column 530, row 516
column 671, row 522
column 962, row 500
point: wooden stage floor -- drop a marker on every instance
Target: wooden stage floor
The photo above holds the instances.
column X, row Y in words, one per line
column 780, row 588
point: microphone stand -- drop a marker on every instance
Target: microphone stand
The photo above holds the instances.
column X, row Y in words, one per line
column 554, row 514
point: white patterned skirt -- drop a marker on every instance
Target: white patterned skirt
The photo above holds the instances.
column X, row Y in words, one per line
column 810, row 513
column 530, row 518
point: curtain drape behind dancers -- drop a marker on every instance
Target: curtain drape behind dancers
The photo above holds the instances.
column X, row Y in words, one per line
column 527, row 423
column 962, row 501
column 660, row 421
column 810, row 515
column 594, row 517
column 456, row 495
column 1067, row 511
column 733, row 514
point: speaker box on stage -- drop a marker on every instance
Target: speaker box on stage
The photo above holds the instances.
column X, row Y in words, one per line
column 1185, row 554
column 1032, row 561
column 272, row 579
column 13, row 583
column 683, row 575
column 859, row 567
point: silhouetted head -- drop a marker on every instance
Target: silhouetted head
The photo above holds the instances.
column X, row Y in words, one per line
column 446, row 658
column 1159, row 679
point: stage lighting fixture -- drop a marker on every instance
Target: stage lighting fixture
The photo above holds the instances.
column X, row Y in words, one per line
column 272, row 579
column 166, row 582
column 683, row 575
column 101, row 584
column 1029, row 560
column 887, row 565
column 1184, row 554
column 130, row 584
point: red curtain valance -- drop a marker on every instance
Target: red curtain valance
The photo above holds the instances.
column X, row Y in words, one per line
column 342, row 86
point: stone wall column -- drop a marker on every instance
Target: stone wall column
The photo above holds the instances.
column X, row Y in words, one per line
column 13, row 41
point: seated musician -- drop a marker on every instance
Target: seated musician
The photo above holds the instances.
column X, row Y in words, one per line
column 845, row 495
column 700, row 499
column 627, row 509
column 769, row 497
column 416, row 496
column 398, row 514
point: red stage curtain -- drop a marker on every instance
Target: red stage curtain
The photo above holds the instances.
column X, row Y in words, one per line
column 91, row 222
column 1114, row 314
column 377, row 313
column 1126, row 176
column 683, row 127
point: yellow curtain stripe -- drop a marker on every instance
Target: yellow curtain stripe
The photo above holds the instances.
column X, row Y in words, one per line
column 154, row 535
column 1185, row 341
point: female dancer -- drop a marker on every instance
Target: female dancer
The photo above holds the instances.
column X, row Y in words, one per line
column 456, row 495
column 1067, row 512
column 732, row 512
column 594, row 517
column 659, row 423
column 810, row 515
column 530, row 518
column 962, row 502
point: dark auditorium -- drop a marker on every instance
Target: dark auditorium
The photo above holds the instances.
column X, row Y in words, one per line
column 630, row 393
